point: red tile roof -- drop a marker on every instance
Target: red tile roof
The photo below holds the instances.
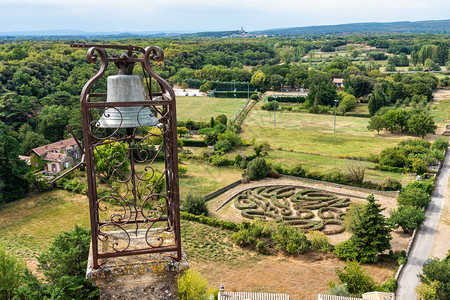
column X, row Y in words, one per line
column 56, row 157
column 54, row 147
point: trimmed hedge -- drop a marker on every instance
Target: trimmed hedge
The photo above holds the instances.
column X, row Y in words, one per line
column 287, row 99
column 230, row 94
column 209, row 221
column 194, row 143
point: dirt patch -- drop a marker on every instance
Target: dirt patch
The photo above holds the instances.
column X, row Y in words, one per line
column 229, row 213
column 302, row 278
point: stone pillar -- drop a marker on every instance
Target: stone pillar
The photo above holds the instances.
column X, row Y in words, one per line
column 147, row 276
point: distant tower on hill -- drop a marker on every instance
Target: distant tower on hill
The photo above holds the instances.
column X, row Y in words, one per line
column 242, row 31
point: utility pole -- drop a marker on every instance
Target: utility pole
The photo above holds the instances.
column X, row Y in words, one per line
column 235, row 105
column 335, row 102
column 275, row 113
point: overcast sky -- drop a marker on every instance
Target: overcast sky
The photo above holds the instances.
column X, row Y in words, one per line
column 208, row 15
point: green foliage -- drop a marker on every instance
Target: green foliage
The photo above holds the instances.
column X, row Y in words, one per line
column 194, row 204
column 346, row 250
column 155, row 181
column 352, row 216
column 289, row 239
column 371, row 235
column 250, row 234
column 441, row 143
column 426, row 186
column 13, row 184
column 393, row 157
column 111, row 160
column 209, row 221
column 390, row 285
column 64, row 266
column 437, row 271
column 53, row 121
column 357, row 279
column 11, row 274
column 221, row 119
column 406, row 217
column 390, row 184
column 193, row 286
column 257, row 169
column 319, row 242
column 421, row 123
column 413, row 196
column 271, row 106
column 339, row 290
column 298, row 170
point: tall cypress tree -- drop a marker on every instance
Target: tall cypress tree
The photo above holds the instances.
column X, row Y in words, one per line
column 372, row 235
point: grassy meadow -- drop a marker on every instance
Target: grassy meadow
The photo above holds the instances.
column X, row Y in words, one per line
column 203, row 108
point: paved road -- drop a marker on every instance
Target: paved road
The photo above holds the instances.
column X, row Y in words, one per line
column 424, row 240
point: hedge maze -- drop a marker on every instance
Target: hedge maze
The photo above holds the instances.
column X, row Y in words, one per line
column 305, row 209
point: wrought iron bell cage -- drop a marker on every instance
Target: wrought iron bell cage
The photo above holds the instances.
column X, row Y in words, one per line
column 133, row 196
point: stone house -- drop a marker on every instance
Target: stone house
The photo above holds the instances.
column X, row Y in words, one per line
column 55, row 157
column 338, row 82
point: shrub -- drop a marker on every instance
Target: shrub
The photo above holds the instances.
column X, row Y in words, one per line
column 221, row 119
column 257, row 169
column 195, row 204
column 406, row 217
column 217, row 160
column 355, row 171
column 393, row 157
column 155, row 181
column 339, row 290
column 319, row 241
column 414, row 197
column 11, row 271
column 209, row 221
column 233, row 138
column 417, row 165
column 346, row 250
column 298, row 170
column 390, row 184
column 440, row 143
column 357, row 280
column 222, row 145
column 426, row 186
column 182, row 170
column 192, row 285
column 390, row 285
column 289, row 239
column 272, row 105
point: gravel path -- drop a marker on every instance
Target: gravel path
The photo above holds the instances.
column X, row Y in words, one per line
column 424, row 239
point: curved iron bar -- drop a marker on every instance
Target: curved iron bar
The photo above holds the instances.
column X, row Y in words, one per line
column 128, row 238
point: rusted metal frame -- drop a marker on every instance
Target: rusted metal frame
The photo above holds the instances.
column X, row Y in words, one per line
column 104, row 95
column 160, row 219
column 86, row 118
column 128, row 104
column 153, row 53
column 138, row 251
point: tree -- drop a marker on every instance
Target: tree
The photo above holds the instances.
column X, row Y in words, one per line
column 356, row 279
column 413, row 196
column 53, row 121
column 376, row 123
column 393, row 157
column 182, row 131
column 376, row 100
column 258, row 80
column 207, row 86
column 257, row 168
column 32, row 140
column 421, row 123
column 13, row 184
column 322, row 93
column 195, row 204
column 437, row 273
column 371, row 235
column 193, row 286
column 64, row 265
column 406, row 217
column 11, row 274
column 221, row 119
column 111, row 160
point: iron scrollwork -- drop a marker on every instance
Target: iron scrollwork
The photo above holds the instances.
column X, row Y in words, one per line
column 132, row 173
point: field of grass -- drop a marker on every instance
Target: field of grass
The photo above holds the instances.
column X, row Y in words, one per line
column 311, row 133
column 288, row 159
column 203, row 108
column 201, row 178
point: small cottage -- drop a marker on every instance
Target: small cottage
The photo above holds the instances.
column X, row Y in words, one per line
column 55, row 157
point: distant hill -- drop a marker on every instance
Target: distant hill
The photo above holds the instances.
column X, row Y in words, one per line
column 433, row 26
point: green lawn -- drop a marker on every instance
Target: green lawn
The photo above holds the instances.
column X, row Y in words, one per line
column 312, row 133
column 203, row 108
